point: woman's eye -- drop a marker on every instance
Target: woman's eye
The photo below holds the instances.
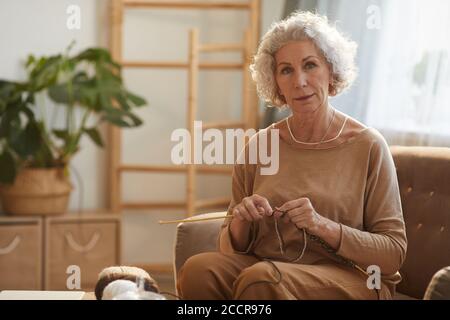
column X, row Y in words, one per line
column 285, row 70
column 310, row 65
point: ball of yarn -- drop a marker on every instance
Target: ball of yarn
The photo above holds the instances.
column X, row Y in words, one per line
column 118, row 288
column 110, row 274
column 128, row 295
column 128, row 290
column 148, row 295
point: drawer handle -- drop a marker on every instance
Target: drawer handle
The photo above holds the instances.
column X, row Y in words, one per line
column 10, row 247
column 88, row 247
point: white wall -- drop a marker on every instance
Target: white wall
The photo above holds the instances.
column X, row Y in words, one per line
column 39, row 27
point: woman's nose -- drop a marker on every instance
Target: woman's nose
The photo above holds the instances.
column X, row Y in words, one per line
column 301, row 80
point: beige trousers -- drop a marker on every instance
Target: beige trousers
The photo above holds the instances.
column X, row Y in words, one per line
column 219, row 276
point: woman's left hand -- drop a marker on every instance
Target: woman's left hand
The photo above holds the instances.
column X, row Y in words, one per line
column 301, row 213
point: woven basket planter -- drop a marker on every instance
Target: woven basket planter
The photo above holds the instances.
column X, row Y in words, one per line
column 37, row 192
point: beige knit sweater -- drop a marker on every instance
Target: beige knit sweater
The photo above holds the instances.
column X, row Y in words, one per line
column 354, row 184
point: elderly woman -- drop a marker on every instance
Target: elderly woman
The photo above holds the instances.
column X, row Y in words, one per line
column 331, row 215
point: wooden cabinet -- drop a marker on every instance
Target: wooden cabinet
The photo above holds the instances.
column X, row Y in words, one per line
column 21, row 247
column 90, row 244
column 35, row 253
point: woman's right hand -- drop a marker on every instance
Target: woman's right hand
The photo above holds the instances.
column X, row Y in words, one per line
column 252, row 208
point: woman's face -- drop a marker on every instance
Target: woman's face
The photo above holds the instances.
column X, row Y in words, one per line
column 302, row 75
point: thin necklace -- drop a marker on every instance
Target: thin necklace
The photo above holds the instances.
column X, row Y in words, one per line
column 311, row 143
column 321, row 141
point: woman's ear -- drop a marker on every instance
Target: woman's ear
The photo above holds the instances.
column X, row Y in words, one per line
column 331, row 87
column 279, row 91
column 331, row 90
column 280, row 95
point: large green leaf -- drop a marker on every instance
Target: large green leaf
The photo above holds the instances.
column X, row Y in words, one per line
column 27, row 141
column 122, row 102
column 89, row 98
column 137, row 100
column 98, row 55
column 87, row 92
column 44, row 72
column 59, row 93
column 116, row 120
column 8, row 168
column 11, row 127
column 7, row 89
column 12, row 109
column 10, row 95
column 122, row 118
column 95, row 136
column 30, row 60
column 104, row 102
column 62, row 134
column 44, row 158
column 84, row 91
column 5, row 125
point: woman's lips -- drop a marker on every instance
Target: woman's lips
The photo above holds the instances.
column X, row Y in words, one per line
column 304, row 97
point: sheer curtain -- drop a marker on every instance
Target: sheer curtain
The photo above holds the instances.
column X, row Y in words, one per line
column 410, row 92
column 403, row 86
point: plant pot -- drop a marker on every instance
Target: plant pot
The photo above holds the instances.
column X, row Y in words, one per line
column 43, row 191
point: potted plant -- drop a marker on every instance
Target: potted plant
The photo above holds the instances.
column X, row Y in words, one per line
column 35, row 151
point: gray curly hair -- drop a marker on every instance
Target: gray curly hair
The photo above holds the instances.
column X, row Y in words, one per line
column 338, row 51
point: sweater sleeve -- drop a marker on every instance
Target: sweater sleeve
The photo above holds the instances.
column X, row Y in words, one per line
column 383, row 241
column 242, row 186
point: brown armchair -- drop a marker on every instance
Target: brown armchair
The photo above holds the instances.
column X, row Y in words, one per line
column 424, row 179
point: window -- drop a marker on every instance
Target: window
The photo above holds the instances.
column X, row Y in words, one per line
column 410, row 90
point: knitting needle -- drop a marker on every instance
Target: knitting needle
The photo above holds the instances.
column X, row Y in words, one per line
column 194, row 219
column 203, row 219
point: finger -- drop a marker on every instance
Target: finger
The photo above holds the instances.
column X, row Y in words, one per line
column 243, row 212
column 264, row 203
column 237, row 214
column 251, row 209
column 261, row 210
column 296, row 212
column 293, row 204
column 298, row 219
column 299, row 215
column 277, row 213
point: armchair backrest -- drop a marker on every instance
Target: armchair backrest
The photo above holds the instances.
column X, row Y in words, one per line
column 195, row 237
column 424, row 180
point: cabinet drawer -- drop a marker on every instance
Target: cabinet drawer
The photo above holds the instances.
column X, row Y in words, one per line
column 90, row 245
column 20, row 256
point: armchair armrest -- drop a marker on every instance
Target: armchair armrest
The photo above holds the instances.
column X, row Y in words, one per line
column 439, row 287
column 195, row 237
